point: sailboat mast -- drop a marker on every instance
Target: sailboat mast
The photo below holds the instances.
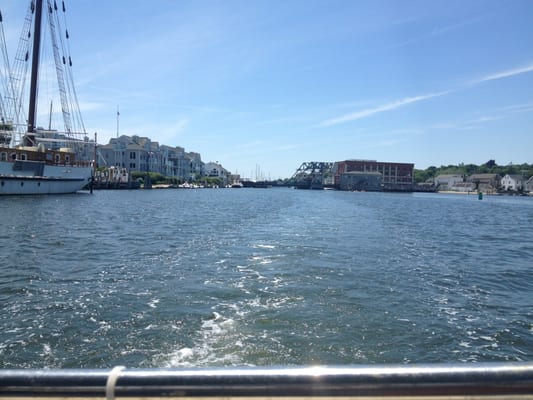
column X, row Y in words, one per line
column 35, row 67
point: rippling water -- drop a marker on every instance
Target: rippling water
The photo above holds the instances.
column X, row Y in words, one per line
column 234, row 277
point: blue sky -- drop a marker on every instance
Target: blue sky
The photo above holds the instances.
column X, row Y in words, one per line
column 267, row 84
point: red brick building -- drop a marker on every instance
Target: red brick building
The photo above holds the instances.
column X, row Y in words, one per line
column 395, row 176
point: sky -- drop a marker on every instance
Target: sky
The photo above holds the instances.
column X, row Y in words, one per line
column 262, row 86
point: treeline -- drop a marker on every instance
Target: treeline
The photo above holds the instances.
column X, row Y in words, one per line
column 490, row 167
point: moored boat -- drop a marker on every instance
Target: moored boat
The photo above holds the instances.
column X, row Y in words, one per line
column 34, row 160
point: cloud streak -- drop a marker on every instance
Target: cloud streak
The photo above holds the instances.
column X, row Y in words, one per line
column 368, row 112
column 505, row 74
column 381, row 108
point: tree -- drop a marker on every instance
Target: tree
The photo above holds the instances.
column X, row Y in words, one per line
column 490, row 164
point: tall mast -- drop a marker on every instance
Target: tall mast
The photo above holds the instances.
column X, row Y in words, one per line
column 35, row 68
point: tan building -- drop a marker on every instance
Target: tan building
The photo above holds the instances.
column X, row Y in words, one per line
column 485, row 182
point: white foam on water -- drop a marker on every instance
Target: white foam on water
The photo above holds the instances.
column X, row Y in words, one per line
column 47, row 350
column 215, row 345
column 153, row 303
column 264, row 246
column 262, row 260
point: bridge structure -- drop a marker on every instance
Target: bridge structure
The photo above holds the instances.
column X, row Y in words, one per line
column 313, row 175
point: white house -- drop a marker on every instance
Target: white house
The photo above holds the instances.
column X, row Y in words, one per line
column 512, row 182
column 214, row 169
column 448, row 181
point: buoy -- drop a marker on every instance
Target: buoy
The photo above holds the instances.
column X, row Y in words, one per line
column 480, row 196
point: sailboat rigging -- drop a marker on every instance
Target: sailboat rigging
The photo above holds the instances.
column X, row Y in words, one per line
column 35, row 160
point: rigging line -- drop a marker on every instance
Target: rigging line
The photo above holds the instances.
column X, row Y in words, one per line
column 75, row 113
column 52, row 19
column 7, row 100
column 18, row 74
column 70, row 76
column 5, row 82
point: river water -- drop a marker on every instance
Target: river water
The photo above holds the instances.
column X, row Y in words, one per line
column 264, row 277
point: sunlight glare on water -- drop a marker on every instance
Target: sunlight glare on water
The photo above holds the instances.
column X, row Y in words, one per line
column 202, row 278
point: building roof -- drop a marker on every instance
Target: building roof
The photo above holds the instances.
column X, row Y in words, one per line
column 447, row 176
column 515, row 177
column 484, row 176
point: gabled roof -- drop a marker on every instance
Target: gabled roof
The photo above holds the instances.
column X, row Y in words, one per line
column 484, row 176
column 515, row 177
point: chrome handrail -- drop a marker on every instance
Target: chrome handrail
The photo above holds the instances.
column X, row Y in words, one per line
column 483, row 380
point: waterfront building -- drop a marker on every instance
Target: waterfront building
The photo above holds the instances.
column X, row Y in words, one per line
column 513, row 182
column 485, row 182
column 215, row 170
column 465, row 187
column 448, row 181
column 140, row 154
column 529, row 185
column 394, row 176
column 361, row 181
column 196, row 164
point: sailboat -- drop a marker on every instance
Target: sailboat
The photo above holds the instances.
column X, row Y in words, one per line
column 35, row 160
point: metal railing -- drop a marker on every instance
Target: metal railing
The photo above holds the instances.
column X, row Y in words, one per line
column 484, row 380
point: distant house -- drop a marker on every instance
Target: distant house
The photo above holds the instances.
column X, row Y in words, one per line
column 214, row 169
column 513, row 182
column 463, row 187
column 444, row 182
column 485, row 182
column 528, row 187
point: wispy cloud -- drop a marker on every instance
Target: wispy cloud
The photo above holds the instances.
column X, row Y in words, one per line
column 381, row 108
column 436, row 31
column 180, row 125
column 519, row 108
column 486, row 118
column 367, row 112
column 505, row 74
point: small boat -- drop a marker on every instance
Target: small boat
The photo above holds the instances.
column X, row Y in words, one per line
column 35, row 160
